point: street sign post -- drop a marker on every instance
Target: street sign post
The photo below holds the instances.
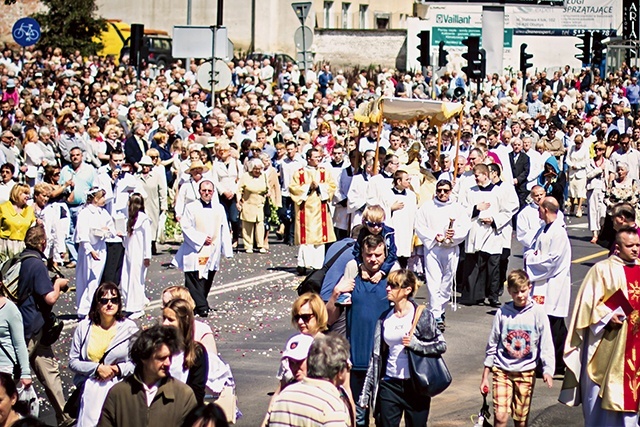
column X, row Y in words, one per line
column 26, row 32
column 302, row 10
column 303, row 37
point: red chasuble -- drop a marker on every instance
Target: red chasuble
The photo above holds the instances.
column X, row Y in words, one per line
column 631, row 308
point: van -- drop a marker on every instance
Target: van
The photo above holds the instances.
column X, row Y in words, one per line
column 114, row 38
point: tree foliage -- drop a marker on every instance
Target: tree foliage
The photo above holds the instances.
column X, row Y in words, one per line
column 70, row 25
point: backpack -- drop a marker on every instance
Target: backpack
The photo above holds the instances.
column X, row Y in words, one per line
column 10, row 275
column 313, row 282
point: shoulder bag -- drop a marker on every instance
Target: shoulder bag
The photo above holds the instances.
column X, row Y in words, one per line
column 429, row 374
column 313, row 282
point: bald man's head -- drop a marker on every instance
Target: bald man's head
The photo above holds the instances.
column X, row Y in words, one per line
column 550, row 204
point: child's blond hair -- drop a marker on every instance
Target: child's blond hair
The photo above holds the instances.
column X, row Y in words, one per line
column 373, row 213
column 517, row 279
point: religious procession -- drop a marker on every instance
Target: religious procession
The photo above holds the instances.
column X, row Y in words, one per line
column 322, row 247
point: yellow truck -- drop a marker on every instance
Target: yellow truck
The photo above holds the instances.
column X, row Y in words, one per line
column 115, row 42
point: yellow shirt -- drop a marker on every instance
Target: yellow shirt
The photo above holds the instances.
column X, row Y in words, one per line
column 99, row 340
column 14, row 226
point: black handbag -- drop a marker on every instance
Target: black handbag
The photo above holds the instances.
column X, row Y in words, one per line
column 51, row 330
column 429, row 374
column 17, row 371
column 313, row 282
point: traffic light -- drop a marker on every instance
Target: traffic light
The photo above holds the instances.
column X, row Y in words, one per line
column 585, row 48
column 524, row 58
column 442, row 55
column 474, row 67
column 424, row 58
column 136, row 43
column 597, row 48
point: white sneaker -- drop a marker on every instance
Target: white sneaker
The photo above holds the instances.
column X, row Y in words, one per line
column 262, row 251
column 249, row 251
column 136, row 315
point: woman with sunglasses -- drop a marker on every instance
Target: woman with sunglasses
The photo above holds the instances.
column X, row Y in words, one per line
column 99, row 354
column 388, row 388
column 191, row 365
column 309, row 316
column 599, row 175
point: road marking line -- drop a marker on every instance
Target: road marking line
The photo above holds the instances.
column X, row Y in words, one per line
column 589, row 257
column 237, row 285
column 240, row 284
column 579, row 226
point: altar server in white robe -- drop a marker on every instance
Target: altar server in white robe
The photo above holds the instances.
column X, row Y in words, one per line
column 341, row 215
column 528, row 223
column 93, row 227
column 510, row 205
column 357, row 195
column 206, row 237
column 441, row 225
column 400, row 205
column 381, row 183
column 484, row 244
column 137, row 257
column 548, row 264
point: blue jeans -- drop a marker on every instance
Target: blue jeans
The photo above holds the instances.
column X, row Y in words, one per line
column 357, row 383
column 233, row 216
column 71, row 246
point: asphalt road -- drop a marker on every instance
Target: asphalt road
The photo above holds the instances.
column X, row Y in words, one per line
column 253, row 296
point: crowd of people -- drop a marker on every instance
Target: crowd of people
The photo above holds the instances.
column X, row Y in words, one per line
column 99, row 167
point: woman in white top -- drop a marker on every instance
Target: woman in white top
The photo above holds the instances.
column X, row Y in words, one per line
column 388, row 389
column 578, row 159
column 599, row 175
column 34, row 156
column 219, row 374
column 93, row 227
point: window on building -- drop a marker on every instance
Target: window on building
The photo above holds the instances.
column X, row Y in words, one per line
column 363, row 16
column 346, row 18
column 328, row 5
column 382, row 21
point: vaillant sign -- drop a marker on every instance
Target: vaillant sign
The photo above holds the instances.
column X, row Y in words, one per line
column 442, row 18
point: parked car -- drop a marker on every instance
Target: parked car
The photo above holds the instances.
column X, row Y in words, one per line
column 158, row 49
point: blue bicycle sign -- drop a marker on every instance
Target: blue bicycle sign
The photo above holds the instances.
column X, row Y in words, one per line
column 26, row 31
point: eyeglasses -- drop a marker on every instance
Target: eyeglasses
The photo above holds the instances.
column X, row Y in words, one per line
column 373, row 224
column 600, row 149
column 443, row 190
column 105, row 301
column 154, row 157
column 305, row 317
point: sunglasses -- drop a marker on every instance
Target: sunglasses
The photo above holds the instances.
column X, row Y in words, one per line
column 443, row 190
column 394, row 286
column 373, row 224
column 105, row 301
column 305, row 317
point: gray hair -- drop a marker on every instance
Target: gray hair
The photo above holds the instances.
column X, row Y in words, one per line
column 44, row 131
column 255, row 163
column 623, row 165
column 328, row 356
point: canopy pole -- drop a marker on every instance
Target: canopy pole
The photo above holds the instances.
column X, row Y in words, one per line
column 376, row 159
column 439, row 141
column 455, row 161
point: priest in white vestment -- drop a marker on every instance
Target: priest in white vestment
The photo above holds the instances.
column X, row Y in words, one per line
column 206, row 237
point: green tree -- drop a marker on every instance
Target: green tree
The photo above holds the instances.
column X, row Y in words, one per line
column 70, row 25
